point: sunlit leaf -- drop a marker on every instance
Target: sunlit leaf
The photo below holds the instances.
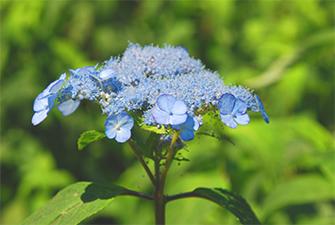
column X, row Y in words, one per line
column 88, row 137
column 75, row 203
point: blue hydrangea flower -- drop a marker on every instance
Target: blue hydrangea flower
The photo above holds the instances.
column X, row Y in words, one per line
column 233, row 111
column 163, row 85
column 169, row 110
column 187, row 128
column 118, row 127
column 45, row 100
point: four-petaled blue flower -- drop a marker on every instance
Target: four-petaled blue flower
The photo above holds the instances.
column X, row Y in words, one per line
column 233, row 111
column 118, row 127
column 169, row 110
column 187, row 128
column 45, row 100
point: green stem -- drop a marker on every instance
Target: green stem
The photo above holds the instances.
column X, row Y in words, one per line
column 139, row 156
column 159, row 197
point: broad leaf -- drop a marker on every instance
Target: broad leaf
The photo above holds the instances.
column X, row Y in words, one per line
column 88, row 137
column 75, row 203
column 228, row 200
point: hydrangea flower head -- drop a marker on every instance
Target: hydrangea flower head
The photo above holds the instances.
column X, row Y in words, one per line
column 45, row 100
column 119, row 127
column 233, row 111
column 169, row 110
column 161, row 85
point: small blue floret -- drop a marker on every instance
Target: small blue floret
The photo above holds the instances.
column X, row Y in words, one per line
column 169, row 110
column 233, row 111
column 187, row 128
column 119, row 127
column 45, row 100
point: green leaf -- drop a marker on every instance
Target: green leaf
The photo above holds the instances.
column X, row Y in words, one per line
column 88, row 137
column 75, row 203
column 154, row 129
column 228, row 200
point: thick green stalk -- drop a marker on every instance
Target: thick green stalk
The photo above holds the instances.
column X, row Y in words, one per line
column 159, row 197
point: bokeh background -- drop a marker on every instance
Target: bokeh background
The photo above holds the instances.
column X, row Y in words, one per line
column 283, row 49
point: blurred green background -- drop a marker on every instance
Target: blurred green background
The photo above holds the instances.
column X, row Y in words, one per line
column 283, row 49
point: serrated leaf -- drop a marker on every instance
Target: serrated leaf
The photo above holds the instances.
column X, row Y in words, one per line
column 88, row 137
column 75, row 203
column 228, row 200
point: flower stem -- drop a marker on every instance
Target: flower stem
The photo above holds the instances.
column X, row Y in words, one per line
column 159, row 197
column 139, row 156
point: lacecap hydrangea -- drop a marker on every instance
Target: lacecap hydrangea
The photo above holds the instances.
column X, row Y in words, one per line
column 163, row 86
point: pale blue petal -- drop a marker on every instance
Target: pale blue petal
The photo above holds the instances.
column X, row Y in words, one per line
column 110, row 132
column 179, row 107
column 40, row 103
column 166, row 102
column 240, row 107
column 106, row 74
column 187, row 135
column 226, row 104
column 196, row 124
column 125, row 120
column 68, row 106
column 228, row 120
column 122, row 135
column 38, row 117
column 262, row 109
column 55, row 86
column 177, row 119
column 242, row 119
column 160, row 116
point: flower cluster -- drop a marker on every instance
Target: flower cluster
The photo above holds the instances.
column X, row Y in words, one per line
column 165, row 86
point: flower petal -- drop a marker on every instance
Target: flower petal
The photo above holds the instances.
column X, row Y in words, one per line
column 106, row 74
column 38, row 117
column 125, row 120
column 187, row 135
column 166, row 102
column 55, row 86
column 240, row 107
column 179, row 107
column 122, row 135
column 160, row 116
column 110, row 132
column 228, row 120
column 41, row 102
column 242, row 119
column 226, row 104
column 177, row 119
column 68, row 106
column 196, row 124
column 262, row 109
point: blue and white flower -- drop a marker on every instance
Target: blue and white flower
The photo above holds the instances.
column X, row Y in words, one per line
column 45, row 100
column 233, row 111
column 119, row 127
column 169, row 110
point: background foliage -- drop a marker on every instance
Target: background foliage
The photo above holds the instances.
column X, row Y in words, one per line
column 283, row 49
